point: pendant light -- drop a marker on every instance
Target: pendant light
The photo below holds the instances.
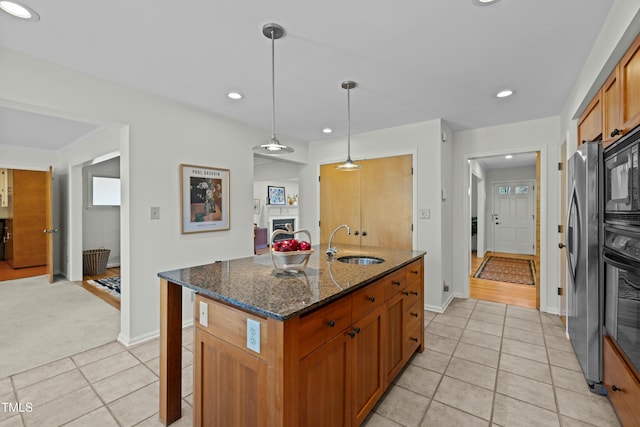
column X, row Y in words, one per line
column 348, row 165
column 272, row 146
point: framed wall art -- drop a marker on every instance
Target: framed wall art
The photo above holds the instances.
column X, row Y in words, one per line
column 275, row 195
column 204, row 199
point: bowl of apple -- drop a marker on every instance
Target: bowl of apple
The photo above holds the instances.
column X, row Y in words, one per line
column 290, row 255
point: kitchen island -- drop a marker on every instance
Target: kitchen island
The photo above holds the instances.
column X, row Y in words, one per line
column 314, row 348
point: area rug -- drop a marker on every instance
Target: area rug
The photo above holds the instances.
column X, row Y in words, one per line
column 109, row 284
column 510, row 270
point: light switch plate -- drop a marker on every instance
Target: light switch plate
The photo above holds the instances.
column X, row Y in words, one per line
column 155, row 212
column 204, row 314
column 253, row 335
column 425, row 213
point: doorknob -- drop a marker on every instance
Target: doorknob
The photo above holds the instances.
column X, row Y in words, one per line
column 51, row 230
column 561, row 245
column 497, row 223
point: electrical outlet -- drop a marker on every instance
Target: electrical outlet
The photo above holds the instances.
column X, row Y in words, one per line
column 204, row 314
column 445, row 287
column 425, row 213
column 253, row 335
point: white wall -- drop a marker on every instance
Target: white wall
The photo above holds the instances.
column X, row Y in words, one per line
column 422, row 140
column 156, row 136
column 536, row 135
column 101, row 224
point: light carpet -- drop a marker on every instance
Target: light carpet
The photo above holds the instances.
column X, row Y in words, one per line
column 43, row 322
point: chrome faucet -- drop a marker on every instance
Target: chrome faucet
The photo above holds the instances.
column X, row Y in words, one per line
column 331, row 250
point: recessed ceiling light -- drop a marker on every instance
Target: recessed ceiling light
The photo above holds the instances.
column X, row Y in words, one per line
column 485, row 2
column 327, row 130
column 19, row 10
column 504, row 93
column 508, row 156
column 234, row 95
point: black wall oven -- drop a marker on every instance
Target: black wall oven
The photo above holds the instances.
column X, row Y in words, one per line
column 621, row 256
column 622, row 182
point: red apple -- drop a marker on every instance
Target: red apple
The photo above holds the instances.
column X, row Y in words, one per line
column 293, row 245
column 277, row 245
column 304, row 245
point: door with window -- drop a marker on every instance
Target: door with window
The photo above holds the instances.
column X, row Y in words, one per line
column 513, row 217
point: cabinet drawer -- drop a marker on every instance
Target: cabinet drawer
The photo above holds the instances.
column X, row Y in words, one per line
column 229, row 324
column 617, row 373
column 394, row 283
column 413, row 335
column 323, row 324
column 366, row 299
column 414, row 271
column 413, row 294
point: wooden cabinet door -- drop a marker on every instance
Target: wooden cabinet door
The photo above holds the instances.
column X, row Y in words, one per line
column 366, row 339
column 590, row 123
column 394, row 319
column 629, row 74
column 623, row 387
column 611, row 109
column 230, row 384
column 339, row 204
column 325, row 392
column 387, row 202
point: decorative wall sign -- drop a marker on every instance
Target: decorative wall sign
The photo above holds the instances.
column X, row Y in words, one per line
column 204, row 199
column 276, row 195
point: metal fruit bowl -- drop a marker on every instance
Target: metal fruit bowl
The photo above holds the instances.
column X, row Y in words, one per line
column 290, row 261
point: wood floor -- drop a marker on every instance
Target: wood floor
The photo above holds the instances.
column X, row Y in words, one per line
column 507, row 293
column 8, row 273
column 106, row 296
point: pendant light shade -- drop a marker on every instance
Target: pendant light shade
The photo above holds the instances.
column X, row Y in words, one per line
column 348, row 165
column 272, row 146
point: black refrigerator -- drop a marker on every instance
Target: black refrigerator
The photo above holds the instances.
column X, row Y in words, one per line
column 585, row 287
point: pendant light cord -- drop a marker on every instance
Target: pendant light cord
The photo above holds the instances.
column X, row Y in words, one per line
column 273, row 85
column 349, row 124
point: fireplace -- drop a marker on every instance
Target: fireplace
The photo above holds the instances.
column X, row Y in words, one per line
column 281, row 224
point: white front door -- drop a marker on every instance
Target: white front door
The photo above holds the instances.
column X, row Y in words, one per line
column 513, row 217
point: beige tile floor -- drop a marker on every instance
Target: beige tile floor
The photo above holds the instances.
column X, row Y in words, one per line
column 484, row 364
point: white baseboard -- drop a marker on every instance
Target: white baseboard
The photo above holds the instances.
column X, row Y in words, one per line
column 131, row 342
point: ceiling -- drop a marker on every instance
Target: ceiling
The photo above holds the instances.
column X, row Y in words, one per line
column 413, row 61
column 519, row 160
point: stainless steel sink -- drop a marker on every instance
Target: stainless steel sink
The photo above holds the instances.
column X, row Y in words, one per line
column 360, row 259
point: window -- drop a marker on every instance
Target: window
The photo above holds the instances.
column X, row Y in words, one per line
column 105, row 191
column 504, row 190
column 522, row 189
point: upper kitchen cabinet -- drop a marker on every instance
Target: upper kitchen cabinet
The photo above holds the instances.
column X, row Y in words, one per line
column 590, row 123
column 615, row 110
column 629, row 72
column 376, row 202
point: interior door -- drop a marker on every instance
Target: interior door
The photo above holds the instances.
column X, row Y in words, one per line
column 387, row 202
column 339, row 204
column 49, row 230
column 563, row 242
column 513, row 217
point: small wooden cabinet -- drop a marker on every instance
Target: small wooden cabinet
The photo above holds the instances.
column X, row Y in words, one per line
column 615, row 110
column 622, row 384
column 326, row 368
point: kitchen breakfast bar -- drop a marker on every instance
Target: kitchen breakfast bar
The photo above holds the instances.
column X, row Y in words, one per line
column 271, row 348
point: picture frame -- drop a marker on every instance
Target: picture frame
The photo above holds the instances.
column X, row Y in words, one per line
column 275, row 195
column 204, row 199
column 256, row 206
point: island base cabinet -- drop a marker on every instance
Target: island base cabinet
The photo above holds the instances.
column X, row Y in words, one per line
column 623, row 387
column 230, row 384
column 324, row 391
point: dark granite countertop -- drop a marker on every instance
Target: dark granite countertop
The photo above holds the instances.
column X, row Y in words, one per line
column 254, row 285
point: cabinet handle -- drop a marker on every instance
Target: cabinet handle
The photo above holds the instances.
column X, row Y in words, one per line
column 615, row 132
column 364, row 233
column 353, row 333
column 414, row 314
column 396, row 282
column 414, row 339
column 405, row 293
column 414, row 293
column 356, row 233
column 415, row 271
column 372, row 299
column 331, row 323
column 614, row 388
